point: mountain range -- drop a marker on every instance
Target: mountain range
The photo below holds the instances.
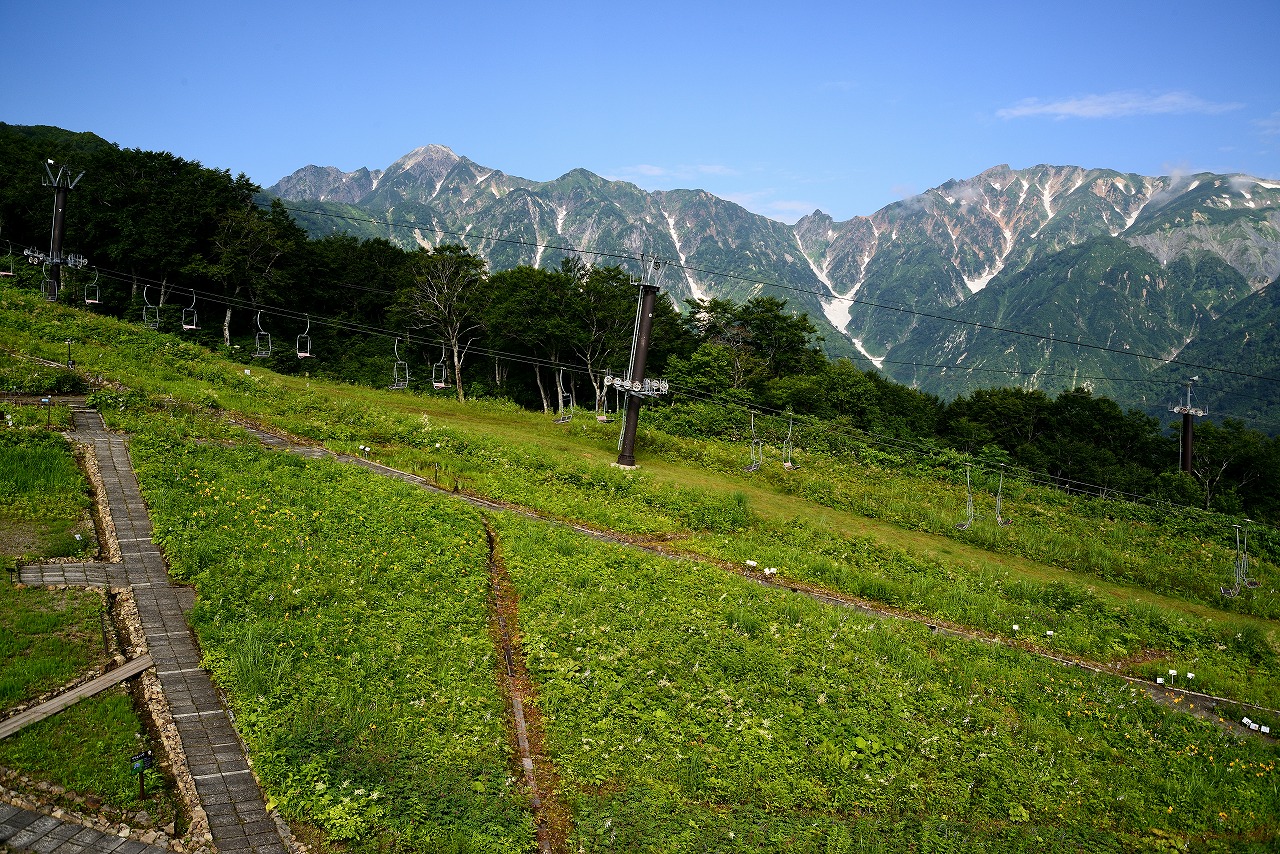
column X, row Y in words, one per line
column 936, row 290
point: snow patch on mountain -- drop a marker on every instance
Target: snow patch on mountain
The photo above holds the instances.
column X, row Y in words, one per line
column 695, row 290
column 837, row 311
column 977, row 283
column 877, row 361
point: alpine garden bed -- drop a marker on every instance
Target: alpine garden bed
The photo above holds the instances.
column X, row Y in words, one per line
column 687, row 709
column 50, row 638
column 345, row 616
column 1228, row 654
column 47, row 638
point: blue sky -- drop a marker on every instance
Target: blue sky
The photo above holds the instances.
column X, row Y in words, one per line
column 783, row 108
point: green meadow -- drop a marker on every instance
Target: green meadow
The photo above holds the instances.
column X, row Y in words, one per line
column 683, row 707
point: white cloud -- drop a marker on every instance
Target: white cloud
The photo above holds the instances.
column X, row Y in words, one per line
column 1113, row 105
column 1270, row 126
column 763, row 203
column 642, row 171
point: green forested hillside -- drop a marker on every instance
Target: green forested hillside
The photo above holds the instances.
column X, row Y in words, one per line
column 170, row 236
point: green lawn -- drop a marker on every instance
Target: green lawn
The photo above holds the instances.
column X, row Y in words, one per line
column 684, row 707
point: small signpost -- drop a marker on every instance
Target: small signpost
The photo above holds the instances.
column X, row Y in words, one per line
column 141, row 762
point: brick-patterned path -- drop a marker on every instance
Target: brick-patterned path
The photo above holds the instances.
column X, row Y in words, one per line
column 23, row 830
column 227, row 790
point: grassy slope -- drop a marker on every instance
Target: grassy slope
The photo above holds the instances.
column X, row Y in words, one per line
column 690, row 490
column 688, row 709
column 48, row 638
column 346, row 617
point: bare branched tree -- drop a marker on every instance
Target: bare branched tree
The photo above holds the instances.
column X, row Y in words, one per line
column 448, row 297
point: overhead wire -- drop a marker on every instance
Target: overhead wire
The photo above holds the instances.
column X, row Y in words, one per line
column 900, row 445
column 356, row 327
column 892, row 443
column 471, row 235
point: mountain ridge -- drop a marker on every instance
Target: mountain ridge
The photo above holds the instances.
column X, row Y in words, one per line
column 935, row 253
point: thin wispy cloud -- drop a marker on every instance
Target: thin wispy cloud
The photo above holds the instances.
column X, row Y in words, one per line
column 1270, row 126
column 642, row 171
column 763, row 203
column 1113, row 105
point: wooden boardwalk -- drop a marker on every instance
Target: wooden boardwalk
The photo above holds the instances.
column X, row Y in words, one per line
column 69, row 698
column 226, row 788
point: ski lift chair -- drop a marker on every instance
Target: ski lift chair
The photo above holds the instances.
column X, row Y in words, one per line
column 604, row 417
column 262, row 340
column 1000, row 520
column 786, row 447
column 1243, row 581
column 757, row 448
column 92, row 293
column 48, row 288
column 970, row 515
column 189, row 314
column 150, row 313
column 440, row 373
column 566, row 415
column 399, row 371
column 304, row 341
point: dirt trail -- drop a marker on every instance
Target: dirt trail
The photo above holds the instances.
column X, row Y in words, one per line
column 552, row 815
column 1193, row 702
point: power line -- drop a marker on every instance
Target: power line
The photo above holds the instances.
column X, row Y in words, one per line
column 357, row 327
column 896, row 444
column 1015, row 372
column 779, row 286
column 360, row 328
column 924, row 450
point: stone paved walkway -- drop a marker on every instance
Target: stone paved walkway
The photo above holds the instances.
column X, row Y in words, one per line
column 24, row 830
column 89, row 574
column 228, row 793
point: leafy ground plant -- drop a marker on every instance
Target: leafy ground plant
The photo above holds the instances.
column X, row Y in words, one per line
column 350, row 631
column 87, row 749
column 48, row 638
column 689, row 709
column 44, row 499
column 1230, row 655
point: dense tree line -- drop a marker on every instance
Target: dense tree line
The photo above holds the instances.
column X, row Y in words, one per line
column 171, row 233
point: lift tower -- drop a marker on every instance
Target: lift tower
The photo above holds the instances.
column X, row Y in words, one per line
column 634, row 384
column 1187, row 411
column 62, row 184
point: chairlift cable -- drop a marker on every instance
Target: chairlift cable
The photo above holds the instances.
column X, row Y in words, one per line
column 1025, row 474
column 855, row 300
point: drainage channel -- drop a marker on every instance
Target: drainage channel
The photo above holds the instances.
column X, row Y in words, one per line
column 549, row 813
column 1165, row 695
